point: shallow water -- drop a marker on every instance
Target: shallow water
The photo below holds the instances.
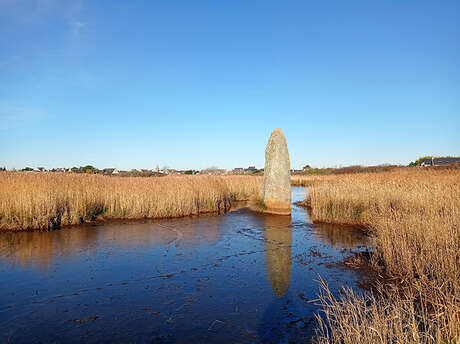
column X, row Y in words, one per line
column 241, row 277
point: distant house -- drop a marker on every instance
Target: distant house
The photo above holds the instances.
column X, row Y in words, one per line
column 238, row 170
column 214, row 171
column 440, row 161
column 296, row 171
column 109, row 171
column 171, row 171
column 250, row 169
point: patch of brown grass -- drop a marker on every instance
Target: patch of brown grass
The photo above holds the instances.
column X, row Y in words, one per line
column 391, row 314
column 41, row 201
column 414, row 215
column 310, row 179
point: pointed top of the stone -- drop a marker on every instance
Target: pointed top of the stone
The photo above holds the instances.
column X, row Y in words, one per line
column 277, row 131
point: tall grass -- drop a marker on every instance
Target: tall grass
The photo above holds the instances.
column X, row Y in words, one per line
column 414, row 215
column 43, row 201
column 310, row 179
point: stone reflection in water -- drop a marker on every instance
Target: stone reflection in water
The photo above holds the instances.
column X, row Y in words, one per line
column 278, row 245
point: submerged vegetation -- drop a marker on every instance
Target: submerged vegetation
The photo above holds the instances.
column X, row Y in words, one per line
column 41, row 201
column 414, row 215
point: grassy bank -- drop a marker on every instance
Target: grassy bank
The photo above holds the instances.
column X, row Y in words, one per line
column 40, row 201
column 414, row 215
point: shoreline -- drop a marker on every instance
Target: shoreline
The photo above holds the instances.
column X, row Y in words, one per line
column 50, row 201
column 102, row 220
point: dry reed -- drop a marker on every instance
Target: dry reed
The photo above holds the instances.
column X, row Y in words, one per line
column 30, row 201
column 308, row 180
column 414, row 215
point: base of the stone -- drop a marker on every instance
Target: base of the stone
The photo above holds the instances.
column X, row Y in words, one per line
column 277, row 207
column 283, row 212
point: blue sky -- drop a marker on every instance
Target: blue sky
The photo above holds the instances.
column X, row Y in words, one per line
column 193, row 84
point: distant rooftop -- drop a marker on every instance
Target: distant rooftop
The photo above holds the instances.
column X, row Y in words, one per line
column 440, row 161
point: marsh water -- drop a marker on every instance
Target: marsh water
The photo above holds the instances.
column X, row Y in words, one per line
column 241, row 277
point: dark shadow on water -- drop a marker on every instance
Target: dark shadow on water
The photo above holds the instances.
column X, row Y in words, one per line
column 285, row 322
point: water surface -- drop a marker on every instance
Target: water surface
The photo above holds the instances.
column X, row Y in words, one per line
column 241, row 277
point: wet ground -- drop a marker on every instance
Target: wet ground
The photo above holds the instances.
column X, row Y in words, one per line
column 241, row 277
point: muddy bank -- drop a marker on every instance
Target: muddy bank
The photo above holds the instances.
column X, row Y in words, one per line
column 106, row 219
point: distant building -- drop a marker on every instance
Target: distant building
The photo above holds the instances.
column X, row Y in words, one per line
column 440, row 161
column 238, row 170
column 297, row 171
column 250, row 169
column 109, row 171
column 214, row 171
column 171, row 171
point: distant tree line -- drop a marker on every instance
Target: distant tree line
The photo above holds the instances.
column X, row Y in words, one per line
column 307, row 169
column 348, row 169
column 90, row 169
column 191, row 172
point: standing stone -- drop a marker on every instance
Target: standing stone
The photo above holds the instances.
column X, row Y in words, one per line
column 276, row 189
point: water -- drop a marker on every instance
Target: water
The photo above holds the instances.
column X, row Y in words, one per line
column 241, row 277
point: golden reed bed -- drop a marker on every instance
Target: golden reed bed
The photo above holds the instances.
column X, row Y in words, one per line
column 40, row 201
column 414, row 215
